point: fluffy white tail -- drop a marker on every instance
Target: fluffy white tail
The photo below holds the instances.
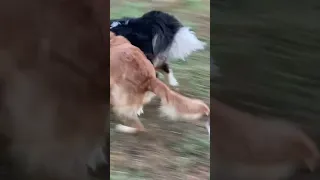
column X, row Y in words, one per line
column 185, row 42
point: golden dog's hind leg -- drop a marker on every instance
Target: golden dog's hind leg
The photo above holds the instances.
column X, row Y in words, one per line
column 138, row 124
column 136, row 127
column 129, row 106
column 130, row 119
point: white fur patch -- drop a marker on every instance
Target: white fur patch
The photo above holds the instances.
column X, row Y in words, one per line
column 154, row 40
column 140, row 111
column 208, row 127
column 148, row 96
column 171, row 79
column 171, row 112
column 156, row 62
column 185, row 42
column 125, row 129
column 114, row 24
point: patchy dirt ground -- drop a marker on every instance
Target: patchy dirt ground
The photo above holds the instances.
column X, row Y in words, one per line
column 169, row 150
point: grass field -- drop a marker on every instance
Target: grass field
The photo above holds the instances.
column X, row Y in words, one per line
column 169, row 150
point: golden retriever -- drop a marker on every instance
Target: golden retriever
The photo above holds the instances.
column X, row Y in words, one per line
column 133, row 83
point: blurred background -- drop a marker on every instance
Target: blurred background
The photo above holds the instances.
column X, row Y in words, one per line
column 269, row 56
column 268, row 53
column 172, row 150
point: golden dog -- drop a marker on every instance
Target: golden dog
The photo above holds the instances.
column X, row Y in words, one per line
column 133, row 83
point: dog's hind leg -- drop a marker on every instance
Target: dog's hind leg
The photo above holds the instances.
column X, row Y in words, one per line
column 129, row 117
column 135, row 128
column 128, row 106
column 168, row 75
column 137, row 124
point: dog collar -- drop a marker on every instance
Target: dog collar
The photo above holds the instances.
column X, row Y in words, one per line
column 117, row 23
column 114, row 24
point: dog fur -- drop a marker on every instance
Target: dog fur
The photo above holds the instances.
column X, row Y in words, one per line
column 53, row 83
column 249, row 147
column 133, row 83
column 161, row 37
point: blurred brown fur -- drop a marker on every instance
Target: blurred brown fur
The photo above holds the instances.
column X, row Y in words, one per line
column 248, row 147
column 53, row 84
column 133, row 82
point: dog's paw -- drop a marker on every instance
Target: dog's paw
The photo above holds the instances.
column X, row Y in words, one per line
column 173, row 82
column 125, row 129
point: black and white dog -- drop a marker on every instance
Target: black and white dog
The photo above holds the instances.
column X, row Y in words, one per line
column 161, row 37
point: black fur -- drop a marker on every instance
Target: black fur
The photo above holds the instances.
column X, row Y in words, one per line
column 141, row 32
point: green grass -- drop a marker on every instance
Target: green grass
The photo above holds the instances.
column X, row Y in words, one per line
column 127, row 175
column 130, row 9
column 192, row 145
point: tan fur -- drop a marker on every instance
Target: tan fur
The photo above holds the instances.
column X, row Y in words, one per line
column 248, row 147
column 133, row 83
column 53, row 84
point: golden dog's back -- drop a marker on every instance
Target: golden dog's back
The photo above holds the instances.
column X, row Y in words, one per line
column 128, row 62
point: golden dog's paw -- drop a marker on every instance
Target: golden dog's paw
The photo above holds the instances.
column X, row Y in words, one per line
column 125, row 129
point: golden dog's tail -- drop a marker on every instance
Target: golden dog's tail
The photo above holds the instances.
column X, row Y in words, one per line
column 176, row 106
